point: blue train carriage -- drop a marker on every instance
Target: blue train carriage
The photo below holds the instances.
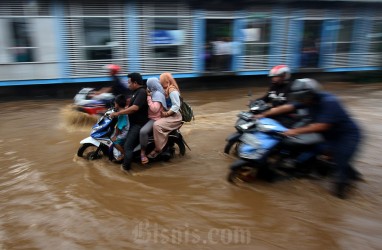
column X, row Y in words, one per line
column 54, row 41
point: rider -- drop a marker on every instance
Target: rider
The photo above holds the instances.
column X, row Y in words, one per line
column 330, row 118
column 138, row 116
column 280, row 85
column 278, row 92
column 116, row 85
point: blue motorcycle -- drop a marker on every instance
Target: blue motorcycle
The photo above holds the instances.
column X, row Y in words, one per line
column 255, row 107
column 99, row 143
column 264, row 152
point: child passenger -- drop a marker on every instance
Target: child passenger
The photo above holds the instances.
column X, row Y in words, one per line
column 122, row 126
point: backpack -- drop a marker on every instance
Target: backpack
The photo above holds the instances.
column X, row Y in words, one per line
column 186, row 111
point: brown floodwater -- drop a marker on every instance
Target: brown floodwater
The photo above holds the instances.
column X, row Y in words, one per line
column 51, row 199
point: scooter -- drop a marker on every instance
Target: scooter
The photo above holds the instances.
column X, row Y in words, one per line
column 258, row 107
column 85, row 102
column 255, row 107
column 99, row 143
column 264, row 152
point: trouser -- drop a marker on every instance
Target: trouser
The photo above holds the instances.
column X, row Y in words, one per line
column 343, row 152
column 145, row 132
column 132, row 140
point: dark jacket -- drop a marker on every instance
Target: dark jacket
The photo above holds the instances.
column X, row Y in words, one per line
column 277, row 94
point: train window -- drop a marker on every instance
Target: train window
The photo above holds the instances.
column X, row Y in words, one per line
column 376, row 37
column 344, row 40
column 21, row 49
column 310, row 44
column 256, row 49
column 97, row 39
column 165, row 37
column 166, row 51
column 256, row 36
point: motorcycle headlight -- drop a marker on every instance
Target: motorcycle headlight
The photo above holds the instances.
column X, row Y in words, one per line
column 245, row 126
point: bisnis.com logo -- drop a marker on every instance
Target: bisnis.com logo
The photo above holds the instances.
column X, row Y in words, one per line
column 146, row 232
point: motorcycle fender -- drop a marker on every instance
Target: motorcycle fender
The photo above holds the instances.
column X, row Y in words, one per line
column 233, row 137
column 91, row 141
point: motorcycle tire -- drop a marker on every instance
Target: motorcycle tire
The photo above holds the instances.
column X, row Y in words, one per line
column 175, row 146
column 228, row 147
column 89, row 152
column 242, row 175
column 181, row 146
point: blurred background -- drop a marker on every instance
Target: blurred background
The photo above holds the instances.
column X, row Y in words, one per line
column 55, row 41
column 52, row 199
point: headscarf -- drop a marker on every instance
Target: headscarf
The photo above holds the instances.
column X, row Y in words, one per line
column 156, row 89
column 172, row 85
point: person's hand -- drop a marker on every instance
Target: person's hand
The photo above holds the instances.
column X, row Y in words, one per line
column 258, row 116
column 114, row 114
column 290, row 133
column 164, row 113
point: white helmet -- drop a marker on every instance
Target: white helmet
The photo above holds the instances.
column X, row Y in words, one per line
column 280, row 70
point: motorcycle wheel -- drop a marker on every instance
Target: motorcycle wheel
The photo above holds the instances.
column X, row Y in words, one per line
column 228, row 147
column 242, row 175
column 181, row 147
column 89, row 152
column 175, row 147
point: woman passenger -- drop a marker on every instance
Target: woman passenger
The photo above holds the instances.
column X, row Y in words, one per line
column 171, row 119
column 157, row 103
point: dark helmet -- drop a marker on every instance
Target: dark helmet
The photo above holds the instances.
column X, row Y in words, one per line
column 280, row 70
column 304, row 88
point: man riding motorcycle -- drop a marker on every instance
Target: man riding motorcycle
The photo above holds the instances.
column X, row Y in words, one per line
column 332, row 120
column 277, row 95
column 116, row 86
column 280, row 86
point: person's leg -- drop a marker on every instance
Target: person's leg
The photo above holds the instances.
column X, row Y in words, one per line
column 159, row 134
column 343, row 154
column 144, row 138
column 158, row 137
column 120, row 149
column 131, row 142
column 161, row 129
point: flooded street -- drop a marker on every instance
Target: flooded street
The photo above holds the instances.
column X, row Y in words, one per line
column 51, row 199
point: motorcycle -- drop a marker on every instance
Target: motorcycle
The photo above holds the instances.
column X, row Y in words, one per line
column 99, row 143
column 267, row 154
column 85, row 102
column 258, row 107
column 255, row 107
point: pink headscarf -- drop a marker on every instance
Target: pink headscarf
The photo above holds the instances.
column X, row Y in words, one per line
column 172, row 85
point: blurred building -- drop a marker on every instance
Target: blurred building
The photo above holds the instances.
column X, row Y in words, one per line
column 54, row 41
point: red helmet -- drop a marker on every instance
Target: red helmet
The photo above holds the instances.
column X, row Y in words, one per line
column 280, row 70
column 113, row 68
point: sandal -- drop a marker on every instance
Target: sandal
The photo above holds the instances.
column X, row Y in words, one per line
column 144, row 159
column 153, row 154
